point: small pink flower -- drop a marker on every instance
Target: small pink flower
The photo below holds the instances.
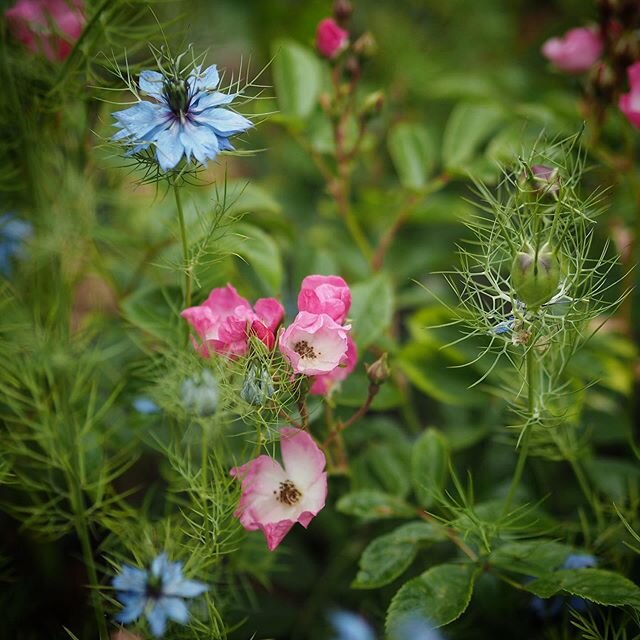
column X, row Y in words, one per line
column 225, row 320
column 330, row 38
column 49, row 27
column 325, row 294
column 576, row 51
column 275, row 498
column 314, row 344
column 629, row 103
column 325, row 383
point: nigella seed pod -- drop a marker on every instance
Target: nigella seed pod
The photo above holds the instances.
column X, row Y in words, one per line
column 535, row 275
column 200, row 394
column 257, row 387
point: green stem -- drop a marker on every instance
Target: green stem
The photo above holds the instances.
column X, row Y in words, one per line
column 185, row 248
column 204, row 458
column 532, row 386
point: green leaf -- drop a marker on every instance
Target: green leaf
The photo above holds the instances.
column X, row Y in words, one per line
column 531, row 557
column 262, row 253
column 597, row 585
column 371, row 309
column 413, row 152
column 467, row 128
column 150, row 309
column 440, row 595
column 387, row 557
column 374, row 505
column 388, row 467
column 429, row 465
column 297, row 76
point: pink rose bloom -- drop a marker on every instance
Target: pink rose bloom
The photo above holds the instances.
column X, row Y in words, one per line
column 275, row 498
column 629, row 103
column 330, row 38
column 576, row 51
column 326, row 382
column 325, row 294
column 49, row 27
column 225, row 320
column 314, row 344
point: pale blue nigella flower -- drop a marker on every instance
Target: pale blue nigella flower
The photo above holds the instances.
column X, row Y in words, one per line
column 145, row 405
column 200, row 394
column 183, row 118
column 350, row 626
column 158, row 594
column 13, row 233
column 415, row 627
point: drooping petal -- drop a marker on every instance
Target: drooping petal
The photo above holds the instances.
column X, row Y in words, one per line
column 174, row 609
column 157, row 619
column 275, row 532
column 303, row 460
column 224, row 122
column 199, row 142
column 151, row 83
column 169, row 149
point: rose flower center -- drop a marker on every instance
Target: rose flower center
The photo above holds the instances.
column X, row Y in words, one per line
column 289, row 494
column 305, row 350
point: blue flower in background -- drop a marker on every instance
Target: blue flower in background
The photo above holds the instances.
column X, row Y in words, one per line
column 183, row 118
column 158, row 594
column 200, row 394
column 350, row 626
column 415, row 627
column 550, row 607
column 145, row 405
column 13, row 233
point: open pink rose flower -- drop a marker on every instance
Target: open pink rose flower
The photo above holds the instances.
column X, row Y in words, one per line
column 326, row 382
column 314, row 344
column 629, row 103
column 330, row 38
column 325, row 294
column 49, row 27
column 574, row 52
column 225, row 320
column 274, row 497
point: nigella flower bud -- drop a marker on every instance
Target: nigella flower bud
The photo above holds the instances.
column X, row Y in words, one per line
column 535, row 275
column 257, row 387
column 545, row 179
column 200, row 394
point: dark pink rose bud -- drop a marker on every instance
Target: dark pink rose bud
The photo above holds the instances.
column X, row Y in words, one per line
column 576, row 51
column 47, row 27
column 330, row 38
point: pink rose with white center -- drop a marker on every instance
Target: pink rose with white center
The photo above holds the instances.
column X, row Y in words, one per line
column 330, row 38
column 225, row 320
column 314, row 344
column 576, row 51
column 326, row 382
column 274, row 497
column 629, row 103
column 325, row 294
column 49, row 27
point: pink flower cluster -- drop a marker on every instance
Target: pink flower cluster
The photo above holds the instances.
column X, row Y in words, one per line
column 576, row 51
column 317, row 343
column 48, row 27
column 331, row 39
column 629, row 103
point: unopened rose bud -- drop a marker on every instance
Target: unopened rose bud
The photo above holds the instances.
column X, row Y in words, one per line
column 342, row 11
column 379, row 371
column 331, row 40
column 365, row 46
column 535, row 275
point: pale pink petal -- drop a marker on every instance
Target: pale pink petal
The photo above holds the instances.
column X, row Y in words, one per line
column 304, row 461
column 323, row 384
column 202, row 320
column 576, row 51
column 225, row 301
column 314, row 500
column 270, row 312
column 325, row 294
column 275, row 532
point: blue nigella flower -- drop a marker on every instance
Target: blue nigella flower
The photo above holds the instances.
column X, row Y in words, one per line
column 159, row 594
column 550, row 607
column 13, row 233
column 350, row 626
column 183, row 118
column 504, row 327
column 145, row 405
column 415, row 627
